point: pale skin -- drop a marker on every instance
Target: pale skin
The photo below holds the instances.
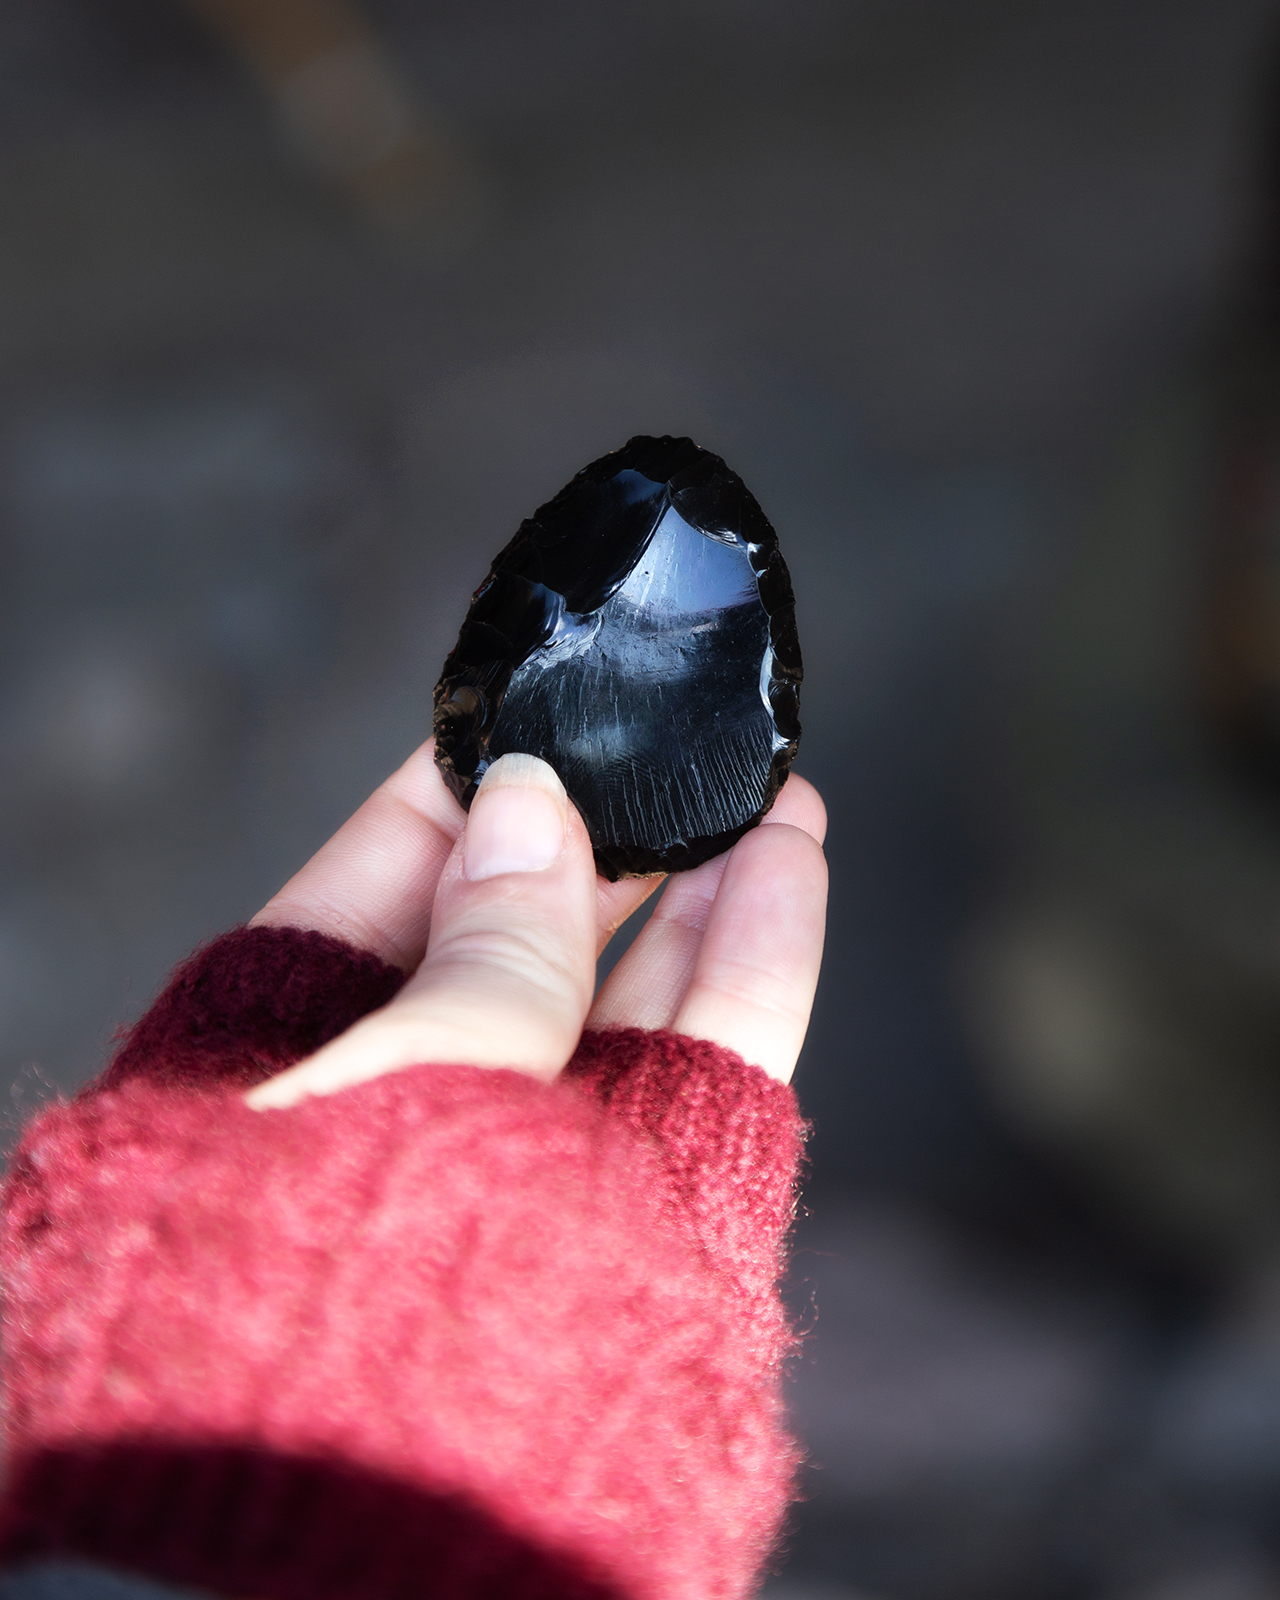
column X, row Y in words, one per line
column 498, row 916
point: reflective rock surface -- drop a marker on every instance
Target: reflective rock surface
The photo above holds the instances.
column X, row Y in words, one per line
column 638, row 633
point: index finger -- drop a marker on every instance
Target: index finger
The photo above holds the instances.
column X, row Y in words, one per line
column 374, row 883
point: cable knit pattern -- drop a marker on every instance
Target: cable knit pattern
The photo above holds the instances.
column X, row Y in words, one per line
column 451, row 1333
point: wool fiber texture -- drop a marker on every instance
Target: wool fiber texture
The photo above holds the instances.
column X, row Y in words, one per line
column 452, row 1333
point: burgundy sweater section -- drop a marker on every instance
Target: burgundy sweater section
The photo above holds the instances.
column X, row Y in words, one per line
column 453, row 1333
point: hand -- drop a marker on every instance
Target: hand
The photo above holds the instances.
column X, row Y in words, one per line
column 498, row 916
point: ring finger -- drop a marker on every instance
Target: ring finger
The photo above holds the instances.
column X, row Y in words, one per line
column 732, row 950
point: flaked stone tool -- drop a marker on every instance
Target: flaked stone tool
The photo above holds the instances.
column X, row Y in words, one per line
column 639, row 634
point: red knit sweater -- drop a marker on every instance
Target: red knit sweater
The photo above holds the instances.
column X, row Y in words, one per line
column 450, row 1333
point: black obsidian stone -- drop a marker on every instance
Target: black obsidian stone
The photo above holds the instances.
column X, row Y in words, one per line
column 639, row 634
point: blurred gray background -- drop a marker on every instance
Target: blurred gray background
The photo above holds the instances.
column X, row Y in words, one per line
column 296, row 326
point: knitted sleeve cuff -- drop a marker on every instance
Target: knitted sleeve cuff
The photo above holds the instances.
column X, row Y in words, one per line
column 451, row 1322
column 731, row 1139
column 249, row 1004
column 256, row 1000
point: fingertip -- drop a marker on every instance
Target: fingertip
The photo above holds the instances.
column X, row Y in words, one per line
column 519, row 820
column 799, row 805
column 516, row 770
column 785, row 859
column 420, row 784
column 753, row 984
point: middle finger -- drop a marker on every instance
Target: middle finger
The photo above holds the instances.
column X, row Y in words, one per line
column 647, row 986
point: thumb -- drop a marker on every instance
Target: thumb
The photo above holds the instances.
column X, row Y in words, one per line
column 510, row 965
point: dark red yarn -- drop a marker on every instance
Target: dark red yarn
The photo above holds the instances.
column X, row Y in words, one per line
column 453, row 1333
column 250, row 1004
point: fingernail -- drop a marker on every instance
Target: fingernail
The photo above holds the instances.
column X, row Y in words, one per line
column 517, row 819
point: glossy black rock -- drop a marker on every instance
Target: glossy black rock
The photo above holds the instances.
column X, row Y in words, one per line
column 639, row 634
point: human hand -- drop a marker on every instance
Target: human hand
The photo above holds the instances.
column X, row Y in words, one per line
column 498, row 916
